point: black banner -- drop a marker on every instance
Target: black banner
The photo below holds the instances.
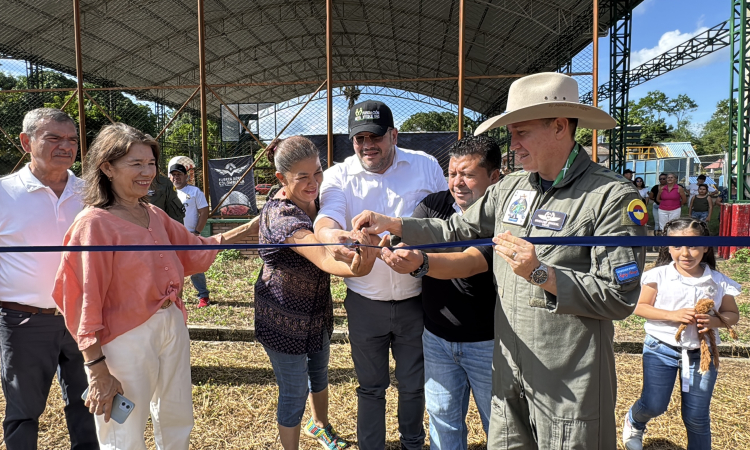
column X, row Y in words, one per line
column 222, row 175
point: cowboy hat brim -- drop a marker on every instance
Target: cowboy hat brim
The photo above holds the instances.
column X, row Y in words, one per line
column 588, row 116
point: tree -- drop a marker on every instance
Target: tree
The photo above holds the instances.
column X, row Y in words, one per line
column 584, row 136
column 653, row 105
column 680, row 107
column 436, row 121
column 352, row 93
column 648, row 112
column 714, row 137
column 14, row 106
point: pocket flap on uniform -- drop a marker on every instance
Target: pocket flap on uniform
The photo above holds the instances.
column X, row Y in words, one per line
column 570, row 434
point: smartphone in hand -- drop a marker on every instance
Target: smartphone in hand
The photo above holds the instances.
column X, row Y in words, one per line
column 121, row 407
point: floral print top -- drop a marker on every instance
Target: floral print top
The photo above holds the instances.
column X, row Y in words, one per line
column 293, row 304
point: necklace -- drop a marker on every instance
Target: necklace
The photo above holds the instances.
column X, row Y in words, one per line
column 141, row 221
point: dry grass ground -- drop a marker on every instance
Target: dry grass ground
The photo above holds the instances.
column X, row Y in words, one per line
column 234, row 396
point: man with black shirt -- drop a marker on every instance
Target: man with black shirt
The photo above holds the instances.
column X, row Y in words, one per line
column 458, row 297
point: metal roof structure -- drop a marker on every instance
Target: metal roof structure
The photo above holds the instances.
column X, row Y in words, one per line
column 676, row 150
column 411, row 45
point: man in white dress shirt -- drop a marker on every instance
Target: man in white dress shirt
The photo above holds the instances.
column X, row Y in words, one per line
column 38, row 204
column 384, row 308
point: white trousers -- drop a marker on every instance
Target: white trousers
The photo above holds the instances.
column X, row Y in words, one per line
column 152, row 362
column 666, row 216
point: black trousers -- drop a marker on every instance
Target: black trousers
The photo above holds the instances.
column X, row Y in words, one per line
column 375, row 327
column 35, row 347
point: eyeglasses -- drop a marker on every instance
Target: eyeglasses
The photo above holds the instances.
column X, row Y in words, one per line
column 662, row 179
column 360, row 140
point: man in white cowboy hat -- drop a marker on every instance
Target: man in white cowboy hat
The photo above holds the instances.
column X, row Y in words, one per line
column 554, row 382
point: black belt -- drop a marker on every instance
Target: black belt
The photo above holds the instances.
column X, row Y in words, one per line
column 29, row 309
column 676, row 348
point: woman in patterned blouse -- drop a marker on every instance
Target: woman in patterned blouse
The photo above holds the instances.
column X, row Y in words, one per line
column 293, row 305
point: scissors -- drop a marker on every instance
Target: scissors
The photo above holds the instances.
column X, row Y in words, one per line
column 353, row 244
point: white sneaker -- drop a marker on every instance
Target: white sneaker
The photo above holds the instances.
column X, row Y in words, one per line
column 631, row 437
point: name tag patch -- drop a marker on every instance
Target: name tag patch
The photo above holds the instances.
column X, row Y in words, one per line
column 625, row 273
column 553, row 220
column 518, row 209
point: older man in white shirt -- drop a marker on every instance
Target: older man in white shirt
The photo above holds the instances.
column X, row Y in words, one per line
column 384, row 308
column 38, row 204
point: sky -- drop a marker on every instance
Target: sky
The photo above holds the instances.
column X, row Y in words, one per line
column 659, row 25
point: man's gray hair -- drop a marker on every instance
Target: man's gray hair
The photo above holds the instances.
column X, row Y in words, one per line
column 35, row 117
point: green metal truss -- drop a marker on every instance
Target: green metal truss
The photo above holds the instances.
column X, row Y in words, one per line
column 739, row 130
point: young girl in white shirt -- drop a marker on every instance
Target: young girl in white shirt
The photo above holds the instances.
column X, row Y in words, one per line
column 669, row 292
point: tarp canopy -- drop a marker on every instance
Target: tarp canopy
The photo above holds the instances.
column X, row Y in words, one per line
column 155, row 43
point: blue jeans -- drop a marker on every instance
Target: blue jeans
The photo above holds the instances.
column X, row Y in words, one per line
column 450, row 370
column 661, row 365
column 199, row 282
column 297, row 376
column 702, row 216
column 655, row 213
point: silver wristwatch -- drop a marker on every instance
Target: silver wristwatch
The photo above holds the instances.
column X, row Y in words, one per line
column 539, row 275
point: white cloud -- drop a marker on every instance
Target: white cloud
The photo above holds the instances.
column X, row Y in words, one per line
column 667, row 41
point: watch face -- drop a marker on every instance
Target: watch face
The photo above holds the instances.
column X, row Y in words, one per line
column 539, row 276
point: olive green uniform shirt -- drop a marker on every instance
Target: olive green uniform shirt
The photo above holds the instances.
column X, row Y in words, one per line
column 164, row 196
column 554, row 382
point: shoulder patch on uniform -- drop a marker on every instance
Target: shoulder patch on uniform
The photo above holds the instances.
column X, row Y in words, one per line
column 625, row 273
column 634, row 214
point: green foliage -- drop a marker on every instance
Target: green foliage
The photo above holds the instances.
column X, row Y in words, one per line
column 585, row 136
column 715, row 134
column 742, row 256
column 436, row 121
column 183, row 138
column 651, row 112
column 229, row 255
column 76, row 168
column 258, row 264
column 13, row 107
column 351, row 93
column 744, row 309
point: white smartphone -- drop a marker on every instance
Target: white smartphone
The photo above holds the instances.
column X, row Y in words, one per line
column 121, row 407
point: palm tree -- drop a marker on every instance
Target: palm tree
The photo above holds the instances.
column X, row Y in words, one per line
column 352, row 93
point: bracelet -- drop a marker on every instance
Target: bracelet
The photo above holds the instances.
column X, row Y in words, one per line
column 94, row 361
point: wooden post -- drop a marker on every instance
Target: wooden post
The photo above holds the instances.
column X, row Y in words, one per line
column 329, row 77
column 202, row 88
column 595, row 75
column 79, row 77
column 461, row 19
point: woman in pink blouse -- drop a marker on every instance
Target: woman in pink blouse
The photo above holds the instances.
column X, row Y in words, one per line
column 671, row 197
column 123, row 307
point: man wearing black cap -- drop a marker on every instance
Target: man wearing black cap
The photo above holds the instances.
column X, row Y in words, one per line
column 196, row 215
column 384, row 308
column 628, row 174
